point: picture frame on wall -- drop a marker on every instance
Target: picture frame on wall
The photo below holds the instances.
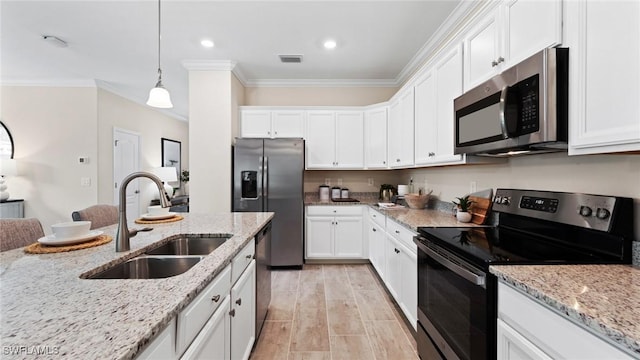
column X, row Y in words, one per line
column 172, row 156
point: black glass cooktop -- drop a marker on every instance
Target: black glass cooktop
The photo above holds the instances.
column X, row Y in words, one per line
column 499, row 245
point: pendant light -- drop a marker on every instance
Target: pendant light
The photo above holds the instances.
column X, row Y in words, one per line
column 159, row 96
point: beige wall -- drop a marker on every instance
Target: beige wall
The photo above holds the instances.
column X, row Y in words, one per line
column 117, row 112
column 51, row 128
column 317, row 96
column 354, row 180
column 237, row 99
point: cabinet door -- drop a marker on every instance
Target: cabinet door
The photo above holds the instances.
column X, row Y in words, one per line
column 449, row 86
column 350, row 139
column 214, row 340
column 395, row 134
column 407, row 132
column 348, row 239
column 604, row 88
column 375, row 124
column 529, row 27
column 392, row 267
column 426, row 135
column 513, row 346
column 319, row 237
column 482, row 50
column 377, row 248
column 255, row 123
column 163, row 347
column 409, row 284
column 321, row 136
column 288, row 123
column 243, row 314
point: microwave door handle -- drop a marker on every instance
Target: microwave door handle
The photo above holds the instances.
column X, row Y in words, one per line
column 503, row 108
column 462, row 272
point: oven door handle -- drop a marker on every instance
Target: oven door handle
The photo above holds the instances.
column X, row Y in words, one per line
column 464, row 273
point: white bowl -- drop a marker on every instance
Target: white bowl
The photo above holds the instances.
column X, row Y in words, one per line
column 155, row 210
column 71, row 229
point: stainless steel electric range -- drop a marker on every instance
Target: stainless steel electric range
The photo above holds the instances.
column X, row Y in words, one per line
column 457, row 296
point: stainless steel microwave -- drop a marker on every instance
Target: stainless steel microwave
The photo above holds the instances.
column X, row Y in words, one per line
column 522, row 110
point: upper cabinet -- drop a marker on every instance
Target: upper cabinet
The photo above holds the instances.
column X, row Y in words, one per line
column 510, row 33
column 375, row 127
column 255, row 123
column 604, row 88
column 401, row 129
column 335, row 139
column 435, row 91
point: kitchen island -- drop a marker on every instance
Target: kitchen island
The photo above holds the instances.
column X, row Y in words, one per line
column 48, row 311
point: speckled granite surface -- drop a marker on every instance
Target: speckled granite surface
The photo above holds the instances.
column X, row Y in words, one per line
column 413, row 218
column 44, row 304
column 312, row 198
column 602, row 298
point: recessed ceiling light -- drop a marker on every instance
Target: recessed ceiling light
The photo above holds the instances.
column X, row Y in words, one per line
column 206, row 43
column 330, row 44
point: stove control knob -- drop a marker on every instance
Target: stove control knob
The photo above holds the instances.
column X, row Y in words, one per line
column 498, row 200
column 585, row 211
column 602, row 213
column 506, row 200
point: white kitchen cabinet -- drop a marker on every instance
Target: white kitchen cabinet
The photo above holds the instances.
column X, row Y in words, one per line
column 604, row 76
column 335, row 232
column 401, row 269
column 510, row 33
column 375, row 125
column 335, row 140
column 393, row 275
column 377, row 247
column 243, row 314
column 531, row 330
column 435, row 91
column 272, row 123
column 162, row 347
column 214, row 340
column 401, row 129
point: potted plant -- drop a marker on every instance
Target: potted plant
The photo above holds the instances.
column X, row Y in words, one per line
column 463, row 205
column 184, row 177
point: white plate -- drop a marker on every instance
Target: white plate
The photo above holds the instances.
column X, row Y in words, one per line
column 158, row 217
column 52, row 241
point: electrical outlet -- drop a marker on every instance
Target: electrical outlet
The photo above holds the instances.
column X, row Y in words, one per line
column 327, row 182
column 85, row 181
column 426, row 184
column 370, row 181
column 473, row 187
column 339, row 182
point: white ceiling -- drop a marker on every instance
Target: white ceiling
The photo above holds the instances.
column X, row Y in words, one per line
column 115, row 42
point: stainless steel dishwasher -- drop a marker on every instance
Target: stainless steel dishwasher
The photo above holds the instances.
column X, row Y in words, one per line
column 263, row 276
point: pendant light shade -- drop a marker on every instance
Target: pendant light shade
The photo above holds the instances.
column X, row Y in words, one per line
column 159, row 96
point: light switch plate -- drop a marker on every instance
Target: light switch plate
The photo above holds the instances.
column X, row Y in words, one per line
column 85, row 181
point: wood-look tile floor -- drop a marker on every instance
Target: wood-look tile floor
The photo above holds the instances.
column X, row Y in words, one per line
column 332, row 312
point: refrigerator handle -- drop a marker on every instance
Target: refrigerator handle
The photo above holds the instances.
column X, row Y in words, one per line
column 266, row 180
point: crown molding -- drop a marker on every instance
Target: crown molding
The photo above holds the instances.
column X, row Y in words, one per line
column 321, row 83
column 49, row 82
column 213, row 65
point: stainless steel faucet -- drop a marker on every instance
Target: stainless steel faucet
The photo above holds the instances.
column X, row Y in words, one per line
column 123, row 235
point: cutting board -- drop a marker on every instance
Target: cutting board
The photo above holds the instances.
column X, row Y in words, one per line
column 480, row 209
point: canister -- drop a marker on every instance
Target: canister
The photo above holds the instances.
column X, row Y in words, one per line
column 335, row 192
column 323, row 192
column 344, row 193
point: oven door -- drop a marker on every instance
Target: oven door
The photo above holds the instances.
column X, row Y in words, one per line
column 454, row 306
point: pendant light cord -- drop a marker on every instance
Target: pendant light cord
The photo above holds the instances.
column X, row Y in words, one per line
column 159, row 35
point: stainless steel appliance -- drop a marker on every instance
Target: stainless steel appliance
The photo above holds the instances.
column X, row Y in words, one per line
column 268, row 175
column 521, row 110
column 457, row 296
column 263, row 276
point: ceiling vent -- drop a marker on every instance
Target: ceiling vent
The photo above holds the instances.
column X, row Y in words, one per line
column 290, row 58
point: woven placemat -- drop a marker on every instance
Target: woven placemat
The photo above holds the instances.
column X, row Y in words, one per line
column 169, row 220
column 37, row 248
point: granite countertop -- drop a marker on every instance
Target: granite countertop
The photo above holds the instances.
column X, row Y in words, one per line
column 45, row 305
column 602, row 298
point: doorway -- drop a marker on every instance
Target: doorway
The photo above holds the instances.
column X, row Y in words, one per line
column 126, row 160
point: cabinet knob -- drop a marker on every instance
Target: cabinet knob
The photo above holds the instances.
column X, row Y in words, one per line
column 374, row 229
column 397, row 160
column 216, row 298
column 384, row 162
column 397, row 231
column 239, row 301
column 232, row 312
column 276, row 133
column 494, row 63
column 396, row 250
column 269, row 132
column 250, row 256
column 500, row 59
column 432, row 154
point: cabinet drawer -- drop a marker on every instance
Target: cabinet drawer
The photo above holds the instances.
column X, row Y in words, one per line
column 242, row 260
column 344, row 210
column 378, row 217
column 194, row 316
column 402, row 234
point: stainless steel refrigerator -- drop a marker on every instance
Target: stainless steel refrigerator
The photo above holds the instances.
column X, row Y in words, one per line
column 268, row 175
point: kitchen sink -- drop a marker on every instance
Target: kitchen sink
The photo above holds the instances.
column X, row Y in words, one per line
column 150, row 267
column 191, row 245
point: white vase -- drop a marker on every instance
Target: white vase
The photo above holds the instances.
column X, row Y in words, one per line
column 463, row 216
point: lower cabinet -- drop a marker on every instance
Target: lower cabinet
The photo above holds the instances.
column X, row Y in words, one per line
column 401, row 277
column 335, row 232
column 219, row 323
column 530, row 330
column 377, row 242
